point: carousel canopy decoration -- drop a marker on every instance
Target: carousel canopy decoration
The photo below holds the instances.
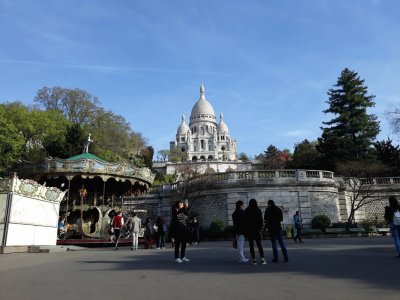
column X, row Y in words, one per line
column 89, row 165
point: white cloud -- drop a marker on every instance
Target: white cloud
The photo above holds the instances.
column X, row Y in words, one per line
column 298, row 133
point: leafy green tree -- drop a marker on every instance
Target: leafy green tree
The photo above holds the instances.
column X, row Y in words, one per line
column 11, row 141
column 37, row 127
column 177, row 155
column 349, row 135
column 147, row 154
column 78, row 106
column 305, row 156
column 113, row 138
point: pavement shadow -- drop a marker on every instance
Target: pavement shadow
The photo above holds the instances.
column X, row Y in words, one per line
column 368, row 260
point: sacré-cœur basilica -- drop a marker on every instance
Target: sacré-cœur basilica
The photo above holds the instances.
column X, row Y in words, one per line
column 208, row 148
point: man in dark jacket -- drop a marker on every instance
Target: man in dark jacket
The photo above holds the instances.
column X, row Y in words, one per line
column 273, row 217
column 239, row 226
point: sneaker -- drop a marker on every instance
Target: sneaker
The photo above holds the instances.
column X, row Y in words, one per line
column 244, row 260
column 185, row 259
column 254, row 262
column 158, row 248
column 162, row 247
column 263, row 261
column 179, row 261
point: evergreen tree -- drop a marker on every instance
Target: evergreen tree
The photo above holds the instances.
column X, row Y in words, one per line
column 273, row 158
column 350, row 133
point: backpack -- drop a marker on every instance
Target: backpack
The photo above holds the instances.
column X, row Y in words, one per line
column 396, row 218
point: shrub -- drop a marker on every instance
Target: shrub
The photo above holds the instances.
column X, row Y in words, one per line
column 320, row 222
column 216, row 229
column 372, row 225
column 217, row 226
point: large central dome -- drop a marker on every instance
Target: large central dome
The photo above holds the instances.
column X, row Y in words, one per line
column 202, row 107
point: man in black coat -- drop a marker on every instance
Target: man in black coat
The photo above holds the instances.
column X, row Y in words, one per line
column 273, row 217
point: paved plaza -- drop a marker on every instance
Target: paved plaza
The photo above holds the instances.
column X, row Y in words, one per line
column 329, row 268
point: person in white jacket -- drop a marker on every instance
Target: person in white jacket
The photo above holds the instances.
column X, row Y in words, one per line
column 136, row 226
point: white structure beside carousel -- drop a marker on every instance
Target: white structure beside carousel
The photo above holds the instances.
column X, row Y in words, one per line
column 28, row 214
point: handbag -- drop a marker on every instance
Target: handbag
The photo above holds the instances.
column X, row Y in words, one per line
column 234, row 244
column 396, row 218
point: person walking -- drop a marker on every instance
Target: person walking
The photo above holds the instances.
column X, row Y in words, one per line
column 118, row 222
column 298, row 225
column 136, row 226
column 254, row 225
column 148, row 233
column 239, row 227
column 196, row 231
column 273, row 217
column 160, row 234
column 180, row 230
column 392, row 217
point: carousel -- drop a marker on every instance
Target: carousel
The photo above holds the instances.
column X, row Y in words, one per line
column 95, row 191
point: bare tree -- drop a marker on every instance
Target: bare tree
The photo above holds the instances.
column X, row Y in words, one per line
column 359, row 179
column 190, row 184
column 393, row 116
column 164, row 154
column 362, row 192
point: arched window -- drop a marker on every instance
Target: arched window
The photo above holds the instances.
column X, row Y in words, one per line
column 194, row 158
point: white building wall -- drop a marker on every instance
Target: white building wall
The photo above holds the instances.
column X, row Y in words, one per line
column 28, row 213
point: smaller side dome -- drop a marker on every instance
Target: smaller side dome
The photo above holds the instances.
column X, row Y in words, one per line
column 222, row 127
column 183, row 127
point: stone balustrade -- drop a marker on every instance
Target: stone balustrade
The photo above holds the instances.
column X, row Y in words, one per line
column 269, row 176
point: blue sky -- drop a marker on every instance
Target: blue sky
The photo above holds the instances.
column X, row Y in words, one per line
column 266, row 65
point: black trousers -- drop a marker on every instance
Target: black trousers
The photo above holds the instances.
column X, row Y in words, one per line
column 259, row 246
column 298, row 233
column 180, row 244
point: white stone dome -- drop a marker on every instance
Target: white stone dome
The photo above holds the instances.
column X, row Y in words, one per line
column 222, row 127
column 183, row 127
column 202, row 106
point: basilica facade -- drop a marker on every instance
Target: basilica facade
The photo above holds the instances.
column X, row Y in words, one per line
column 204, row 139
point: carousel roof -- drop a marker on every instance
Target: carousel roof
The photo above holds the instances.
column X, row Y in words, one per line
column 88, row 165
column 86, row 156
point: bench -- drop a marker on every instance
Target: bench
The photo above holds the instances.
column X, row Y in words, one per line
column 383, row 231
column 336, row 231
column 359, row 231
column 310, row 231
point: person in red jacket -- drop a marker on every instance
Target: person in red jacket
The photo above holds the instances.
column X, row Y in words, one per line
column 117, row 223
